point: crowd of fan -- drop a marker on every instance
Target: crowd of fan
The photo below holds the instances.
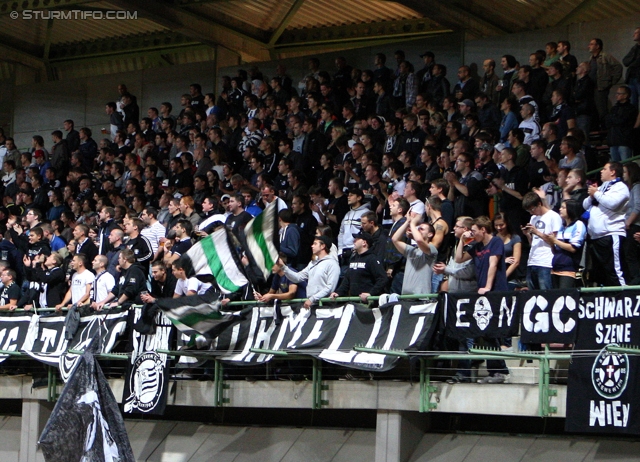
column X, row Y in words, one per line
column 387, row 181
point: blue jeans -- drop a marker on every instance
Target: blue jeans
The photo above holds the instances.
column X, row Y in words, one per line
column 538, row 278
column 619, row 153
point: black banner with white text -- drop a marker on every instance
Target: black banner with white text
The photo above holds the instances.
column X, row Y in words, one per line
column 602, row 395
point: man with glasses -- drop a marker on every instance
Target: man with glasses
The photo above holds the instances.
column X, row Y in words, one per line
column 487, row 254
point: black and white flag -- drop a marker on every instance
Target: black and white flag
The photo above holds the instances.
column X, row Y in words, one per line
column 602, row 393
column 492, row 315
column 86, row 424
column 549, row 316
column 147, row 377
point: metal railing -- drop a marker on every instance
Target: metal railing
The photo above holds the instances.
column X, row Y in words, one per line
column 426, row 358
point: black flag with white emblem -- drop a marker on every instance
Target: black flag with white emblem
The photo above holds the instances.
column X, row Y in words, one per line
column 86, row 424
column 602, row 393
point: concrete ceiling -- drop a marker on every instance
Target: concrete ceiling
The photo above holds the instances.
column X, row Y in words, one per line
column 51, row 36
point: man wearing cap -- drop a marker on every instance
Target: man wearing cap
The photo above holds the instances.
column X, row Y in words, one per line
column 322, row 273
column 41, row 161
column 465, row 108
column 487, row 168
column 365, row 274
column 351, row 223
column 424, row 75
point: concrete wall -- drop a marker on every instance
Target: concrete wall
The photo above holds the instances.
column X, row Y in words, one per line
column 41, row 108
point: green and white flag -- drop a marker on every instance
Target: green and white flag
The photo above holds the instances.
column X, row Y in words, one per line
column 261, row 236
column 215, row 256
column 197, row 314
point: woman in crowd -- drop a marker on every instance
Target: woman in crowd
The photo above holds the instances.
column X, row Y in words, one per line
column 509, row 118
column 512, row 250
column 49, row 288
column 567, row 246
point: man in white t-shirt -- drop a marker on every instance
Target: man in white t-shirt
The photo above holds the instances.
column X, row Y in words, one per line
column 104, row 281
column 81, row 283
column 187, row 286
column 543, row 221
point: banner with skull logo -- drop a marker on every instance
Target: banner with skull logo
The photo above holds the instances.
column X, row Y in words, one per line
column 492, row 315
column 602, row 393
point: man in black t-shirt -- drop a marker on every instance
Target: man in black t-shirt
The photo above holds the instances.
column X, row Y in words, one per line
column 10, row 292
column 239, row 217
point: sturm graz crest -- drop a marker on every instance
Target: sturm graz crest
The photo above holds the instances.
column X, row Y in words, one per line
column 610, row 373
column 146, row 382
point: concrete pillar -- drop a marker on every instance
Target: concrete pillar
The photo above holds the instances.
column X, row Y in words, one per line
column 35, row 414
column 397, row 434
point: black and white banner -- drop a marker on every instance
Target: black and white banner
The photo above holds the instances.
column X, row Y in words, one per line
column 549, row 316
column 602, row 395
column 17, row 332
column 331, row 333
column 147, row 377
column 51, row 347
column 492, row 315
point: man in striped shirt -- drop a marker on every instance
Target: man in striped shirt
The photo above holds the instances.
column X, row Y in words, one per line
column 154, row 230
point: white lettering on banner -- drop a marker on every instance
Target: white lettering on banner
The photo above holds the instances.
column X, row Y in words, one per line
column 460, row 312
column 315, row 333
column 12, row 337
column 289, row 324
column 541, row 319
column 331, row 353
column 560, row 304
column 255, row 316
column 505, row 310
column 605, row 414
column 368, row 358
column 262, row 338
column 48, row 339
column 610, row 307
column 541, row 324
column 613, row 333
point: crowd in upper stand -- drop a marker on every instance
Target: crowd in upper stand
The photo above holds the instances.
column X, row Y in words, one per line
column 395, row 179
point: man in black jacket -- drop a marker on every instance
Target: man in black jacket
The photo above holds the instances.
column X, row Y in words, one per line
column 138, row 244
column 163, row 284
column 366, row 275
column 303, row 217
column 85, row 245
column 620, row 122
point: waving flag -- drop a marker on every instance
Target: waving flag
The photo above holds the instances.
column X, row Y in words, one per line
column 215, row 256
column 261, row 236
